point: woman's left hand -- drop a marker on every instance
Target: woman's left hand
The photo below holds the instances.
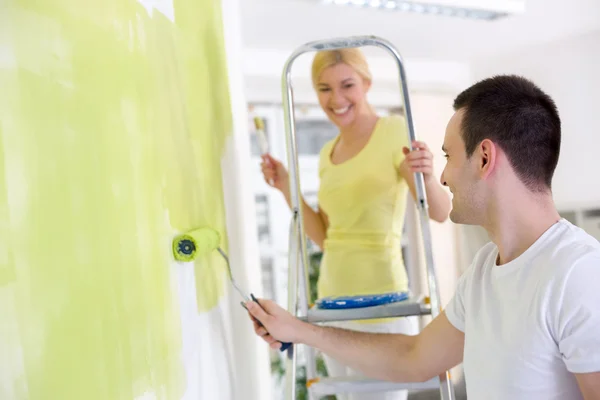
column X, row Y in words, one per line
column 420, row 159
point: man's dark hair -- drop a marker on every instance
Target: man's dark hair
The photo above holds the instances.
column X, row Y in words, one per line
column 519, row 117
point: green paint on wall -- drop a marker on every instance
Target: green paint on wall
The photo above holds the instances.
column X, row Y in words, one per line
column 112, row 126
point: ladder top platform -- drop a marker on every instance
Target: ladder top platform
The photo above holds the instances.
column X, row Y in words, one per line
column 332, row 386
column 406, row 308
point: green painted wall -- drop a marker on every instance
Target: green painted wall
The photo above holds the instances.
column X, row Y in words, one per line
column 112, row 126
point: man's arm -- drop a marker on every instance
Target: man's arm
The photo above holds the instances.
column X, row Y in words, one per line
column 589, row 384
column 577, row 323
column 392, row 357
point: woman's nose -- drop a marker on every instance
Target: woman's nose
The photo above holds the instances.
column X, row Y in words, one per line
column 336, row 97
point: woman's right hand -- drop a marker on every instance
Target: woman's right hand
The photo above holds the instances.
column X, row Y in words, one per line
column 275, row 173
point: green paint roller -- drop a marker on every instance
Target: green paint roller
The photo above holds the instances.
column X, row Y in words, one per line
column 188, row 246
column 201, row 241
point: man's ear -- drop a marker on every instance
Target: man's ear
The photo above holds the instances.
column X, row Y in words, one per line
column 488, row 156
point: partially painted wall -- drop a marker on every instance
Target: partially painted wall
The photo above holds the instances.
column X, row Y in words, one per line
column 113, row 119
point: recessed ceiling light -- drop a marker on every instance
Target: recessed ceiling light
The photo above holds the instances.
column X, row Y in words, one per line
column 472, row 9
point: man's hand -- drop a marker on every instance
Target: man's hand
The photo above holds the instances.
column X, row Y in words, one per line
column 278, row 324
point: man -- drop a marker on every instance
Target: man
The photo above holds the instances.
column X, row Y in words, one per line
column 525, row 318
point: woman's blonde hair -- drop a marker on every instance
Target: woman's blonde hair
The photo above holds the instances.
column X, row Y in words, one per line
column 353, row 57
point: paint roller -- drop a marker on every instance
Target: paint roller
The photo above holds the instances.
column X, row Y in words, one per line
column 188, row 246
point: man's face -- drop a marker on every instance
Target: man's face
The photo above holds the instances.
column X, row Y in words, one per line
column 461, row 176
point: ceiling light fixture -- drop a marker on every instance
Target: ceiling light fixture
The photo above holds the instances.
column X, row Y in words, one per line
column 472, row 9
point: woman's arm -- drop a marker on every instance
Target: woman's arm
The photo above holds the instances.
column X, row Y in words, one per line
column 315, row 222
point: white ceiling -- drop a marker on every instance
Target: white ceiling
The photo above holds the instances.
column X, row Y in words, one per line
column 286, row 24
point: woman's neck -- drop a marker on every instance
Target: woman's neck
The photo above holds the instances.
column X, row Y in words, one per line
column 362, row 126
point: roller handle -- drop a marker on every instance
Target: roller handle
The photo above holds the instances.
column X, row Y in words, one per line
column 284, row 345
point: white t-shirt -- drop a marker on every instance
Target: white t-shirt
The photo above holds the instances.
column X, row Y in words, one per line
column 533, row 322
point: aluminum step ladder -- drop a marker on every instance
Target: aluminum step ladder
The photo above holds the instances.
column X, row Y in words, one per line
column 298, row 284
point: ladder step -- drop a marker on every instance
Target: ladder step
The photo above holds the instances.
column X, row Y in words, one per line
column 331, row 386
column 409, row 307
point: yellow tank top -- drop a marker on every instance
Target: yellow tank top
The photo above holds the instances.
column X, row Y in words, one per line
column 365, row 201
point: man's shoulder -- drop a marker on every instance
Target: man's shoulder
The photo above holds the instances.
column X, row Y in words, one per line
column 487, row 250
column 484, row 256
column 571, row 278
column 570, row 247
column 568, row 265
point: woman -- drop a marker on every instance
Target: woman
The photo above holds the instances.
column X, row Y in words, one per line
column 365, row 175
